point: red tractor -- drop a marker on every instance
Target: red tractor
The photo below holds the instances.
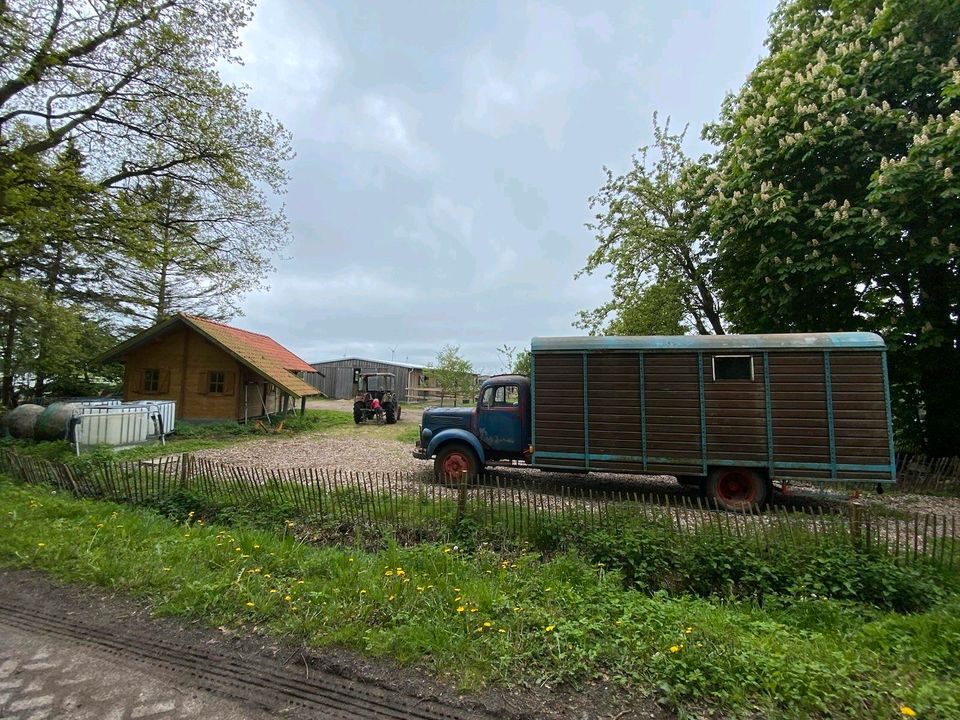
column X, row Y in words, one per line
column 376, row 399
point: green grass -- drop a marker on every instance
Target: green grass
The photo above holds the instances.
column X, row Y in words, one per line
column 189, row 437
column 561, row 620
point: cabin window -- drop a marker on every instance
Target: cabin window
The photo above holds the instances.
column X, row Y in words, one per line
column 733, row 367
column 215, row 381
column 487, row 400
column 506, row 396
column 151, row 380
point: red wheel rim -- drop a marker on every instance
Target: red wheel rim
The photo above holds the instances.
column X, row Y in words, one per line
column 456, row 464
column 736, row 486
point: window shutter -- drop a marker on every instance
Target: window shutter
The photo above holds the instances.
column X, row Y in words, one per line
column 164, row 381
column 203, row 387
column 229, row 380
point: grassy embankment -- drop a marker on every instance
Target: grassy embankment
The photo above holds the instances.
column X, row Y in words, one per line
column 518, row 615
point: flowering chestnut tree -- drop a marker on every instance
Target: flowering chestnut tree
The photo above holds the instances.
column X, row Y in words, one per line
column 836, row 198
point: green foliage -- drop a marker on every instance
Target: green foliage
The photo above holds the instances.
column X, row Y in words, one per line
column 561, row 620
column 453, row 374
column 835, row 192
column 652, row 235
column 165, row 207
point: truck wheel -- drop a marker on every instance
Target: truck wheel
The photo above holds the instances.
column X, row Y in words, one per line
column 737, row 489
column 453, row 460
column 357, row 413
column 390, row 413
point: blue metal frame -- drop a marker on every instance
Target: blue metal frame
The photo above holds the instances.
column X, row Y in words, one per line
column 828, row 382
column 586, row 417
column 643, row 412
column 768, row 408
column 703, row 414
column 850, row 467
column 533, row 402
column 886, row 397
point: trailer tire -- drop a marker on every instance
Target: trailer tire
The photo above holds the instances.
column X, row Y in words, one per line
column 453, row 460
column 737, row 489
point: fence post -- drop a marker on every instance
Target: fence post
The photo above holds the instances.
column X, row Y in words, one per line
column 184, row 470
column 854, row 512
column 462, row 498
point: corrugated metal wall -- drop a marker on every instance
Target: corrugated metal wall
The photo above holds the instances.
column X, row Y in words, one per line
column 337, row 379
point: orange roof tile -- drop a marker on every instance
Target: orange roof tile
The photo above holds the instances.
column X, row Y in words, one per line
column 259, row 352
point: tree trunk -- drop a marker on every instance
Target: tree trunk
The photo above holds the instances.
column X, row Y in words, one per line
column 7, row 394
column 939, row 365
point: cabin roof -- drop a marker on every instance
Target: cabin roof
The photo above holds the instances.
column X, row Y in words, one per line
column 712, row 343
column 260, row 353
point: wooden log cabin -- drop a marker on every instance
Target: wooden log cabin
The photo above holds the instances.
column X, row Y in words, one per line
column 734, row 412
column 213, row 371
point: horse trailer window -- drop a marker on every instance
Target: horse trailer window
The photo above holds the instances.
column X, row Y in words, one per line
column 733, row 367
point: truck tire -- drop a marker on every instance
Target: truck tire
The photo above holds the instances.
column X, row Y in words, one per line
column 357, row 413
column 453, row 460
column 737, row 489
column 390, row 413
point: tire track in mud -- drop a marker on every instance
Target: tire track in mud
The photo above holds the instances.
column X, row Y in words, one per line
column 255, row 681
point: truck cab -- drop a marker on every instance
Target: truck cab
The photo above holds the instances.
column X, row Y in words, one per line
column 497, row 429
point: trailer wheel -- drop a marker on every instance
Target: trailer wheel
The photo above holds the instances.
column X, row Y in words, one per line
column 737, row 488
column 453, row 460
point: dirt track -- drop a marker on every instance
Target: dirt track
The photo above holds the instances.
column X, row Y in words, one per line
column 71, row 652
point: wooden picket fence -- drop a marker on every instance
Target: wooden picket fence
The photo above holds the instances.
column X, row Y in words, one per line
column 917, row 473
column 418, row 506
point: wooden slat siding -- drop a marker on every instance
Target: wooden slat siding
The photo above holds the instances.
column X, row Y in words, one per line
column 559, row 400
column 672, row 396
column 736, row 413
column 614, row 411
column 798, row 396
column 861, row 437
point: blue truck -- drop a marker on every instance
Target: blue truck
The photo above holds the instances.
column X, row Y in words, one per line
column 729, row 413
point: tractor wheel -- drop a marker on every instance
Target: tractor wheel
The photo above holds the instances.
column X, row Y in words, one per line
column 398, row 412
column 390, row 412
column 737, row 489
column 357, row 412
column 453, row 461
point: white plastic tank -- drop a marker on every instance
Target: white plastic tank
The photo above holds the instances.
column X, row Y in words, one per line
column 113, row 425
column 165, row 410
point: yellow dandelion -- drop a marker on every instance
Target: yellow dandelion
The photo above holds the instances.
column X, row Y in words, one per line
column 446, row 550
column 256, row 547
column 674, row 648
column 363, row 592
column 41, row 544
column 461, row 609
column 547, row 589
column 388, row 572
column 287, row 598
column 249, row 604
column 391, row 598
column 501, row 630
column 401, row 572
column 273, row 590
column 166, row 569
column 299, row 582
column 473, row 609
column 488, row 624
column 907, row 711
column 549, row 628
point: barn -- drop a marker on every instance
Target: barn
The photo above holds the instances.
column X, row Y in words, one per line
column 213, row 371
column 334, row 378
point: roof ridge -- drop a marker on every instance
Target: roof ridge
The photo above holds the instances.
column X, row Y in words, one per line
column 223, row 324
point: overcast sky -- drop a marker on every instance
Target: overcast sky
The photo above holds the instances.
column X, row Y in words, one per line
column 446, row 152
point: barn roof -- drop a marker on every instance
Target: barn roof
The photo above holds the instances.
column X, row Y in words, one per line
column 260, row 353
column 713, row 343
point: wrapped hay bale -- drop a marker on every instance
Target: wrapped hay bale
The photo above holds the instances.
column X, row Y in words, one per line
column 20, row 421
column 52, row 424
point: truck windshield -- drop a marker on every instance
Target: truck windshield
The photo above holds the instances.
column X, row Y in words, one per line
column 376, row 383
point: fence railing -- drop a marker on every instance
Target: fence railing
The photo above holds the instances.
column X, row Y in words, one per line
column 916, row 473
column 419, row 506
